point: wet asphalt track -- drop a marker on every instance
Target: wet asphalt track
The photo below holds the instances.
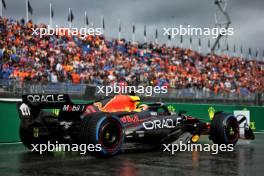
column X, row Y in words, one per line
column 247, row 159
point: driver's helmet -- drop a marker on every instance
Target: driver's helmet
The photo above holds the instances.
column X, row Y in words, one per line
column 143, row 107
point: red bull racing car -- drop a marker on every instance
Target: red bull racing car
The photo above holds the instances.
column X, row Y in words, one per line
column 114, row 122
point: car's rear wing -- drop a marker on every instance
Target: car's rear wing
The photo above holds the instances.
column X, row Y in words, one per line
column 48, row 101
column 32, row 104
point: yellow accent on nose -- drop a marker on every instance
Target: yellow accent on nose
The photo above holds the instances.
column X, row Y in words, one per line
column 252, row 125
column 195, row 138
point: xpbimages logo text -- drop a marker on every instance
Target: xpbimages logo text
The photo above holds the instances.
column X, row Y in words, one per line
column 190, row 147
column 58, row 147
column 61, row 31
column 197, row 31
column 123, row 89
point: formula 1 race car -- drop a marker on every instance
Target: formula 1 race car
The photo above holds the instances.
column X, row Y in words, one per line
column 116, row 121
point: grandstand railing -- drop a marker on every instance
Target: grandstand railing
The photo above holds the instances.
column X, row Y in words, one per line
column 17, row 87
column 86, row 90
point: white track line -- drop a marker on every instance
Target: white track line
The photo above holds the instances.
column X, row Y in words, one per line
column 11, row 99
column 10, row 143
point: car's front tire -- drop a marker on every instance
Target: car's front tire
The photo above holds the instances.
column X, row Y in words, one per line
column 224, row 129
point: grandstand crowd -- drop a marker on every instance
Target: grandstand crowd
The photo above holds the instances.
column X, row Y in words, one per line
column 96, row 60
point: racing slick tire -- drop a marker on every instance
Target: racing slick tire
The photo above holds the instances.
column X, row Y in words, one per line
column 224, row 129
column 34, row 131
column 104, row 131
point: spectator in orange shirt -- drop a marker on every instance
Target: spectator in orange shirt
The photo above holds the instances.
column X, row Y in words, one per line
column 76, row 79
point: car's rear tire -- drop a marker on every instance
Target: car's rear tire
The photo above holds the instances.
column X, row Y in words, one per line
column 104, row 130
column 224, row 129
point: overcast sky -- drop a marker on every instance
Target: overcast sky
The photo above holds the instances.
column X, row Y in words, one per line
column 247, row 17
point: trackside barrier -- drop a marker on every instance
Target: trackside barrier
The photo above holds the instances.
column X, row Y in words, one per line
column 9, row 120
